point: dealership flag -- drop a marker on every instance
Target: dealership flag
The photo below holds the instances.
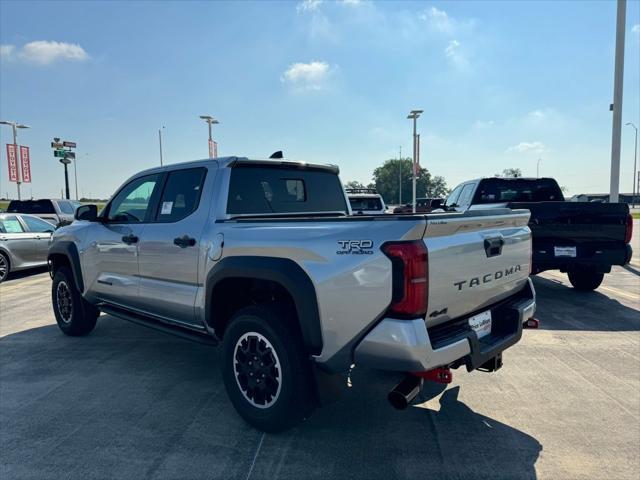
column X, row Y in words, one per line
column 13, row 162
column 26, row 164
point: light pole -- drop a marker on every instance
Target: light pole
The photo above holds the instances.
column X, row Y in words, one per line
column 160, row 140
column 210, row 121
column 635, row 159
column 616, row 106
column 15, row 126
column 414, row 115
column 75, row 171
column 400, row 176
column 538, row 168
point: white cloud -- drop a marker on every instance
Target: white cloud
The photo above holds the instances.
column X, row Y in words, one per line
column 307, row 76
column 484, row 124
column 452, row 48
column 438, row 19
column 635, row 28
column 352, row 2
column 455, row 55
column 308, row 6
column 524, row 147
column 43, row 52
column 6, row 51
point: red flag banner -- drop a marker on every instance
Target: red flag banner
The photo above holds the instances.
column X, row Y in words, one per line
column 25, row 163
column 213, row 147
column 12, row 159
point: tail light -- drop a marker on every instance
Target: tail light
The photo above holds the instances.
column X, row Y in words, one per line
column 410, row 269
column 629, row 230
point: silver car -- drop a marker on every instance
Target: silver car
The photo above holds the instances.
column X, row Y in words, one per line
column 24, row 242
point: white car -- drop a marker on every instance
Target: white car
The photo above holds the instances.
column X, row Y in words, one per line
column 366, row 201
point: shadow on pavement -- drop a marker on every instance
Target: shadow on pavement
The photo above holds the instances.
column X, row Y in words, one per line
column 128, row 402
column 564, row 308
column 24, row 274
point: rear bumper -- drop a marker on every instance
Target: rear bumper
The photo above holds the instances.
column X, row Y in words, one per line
column 589, row 257
column 407, row 345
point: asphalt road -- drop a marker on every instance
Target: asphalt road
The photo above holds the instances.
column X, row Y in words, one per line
column 130, row 403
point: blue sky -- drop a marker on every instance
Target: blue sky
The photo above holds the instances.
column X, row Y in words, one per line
column 501, row 83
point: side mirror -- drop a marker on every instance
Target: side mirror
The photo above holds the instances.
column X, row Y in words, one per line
column 88, row 213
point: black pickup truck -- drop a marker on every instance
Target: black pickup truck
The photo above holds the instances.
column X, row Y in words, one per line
column 582, row 239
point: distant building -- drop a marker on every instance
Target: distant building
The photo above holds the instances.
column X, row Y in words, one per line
column 604, row 197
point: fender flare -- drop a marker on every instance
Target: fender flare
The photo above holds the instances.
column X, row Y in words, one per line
column 69, row 250
column 283, row 271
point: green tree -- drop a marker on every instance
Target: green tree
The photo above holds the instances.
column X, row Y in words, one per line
column 357, row 184
column 510, row 173
column 387, row 178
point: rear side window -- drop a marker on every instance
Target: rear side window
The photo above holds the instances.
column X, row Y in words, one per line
column 66, row 207
column 266, row 189
column 11, row 225
column 36, row 207
column 496, row 190
column 181, row 194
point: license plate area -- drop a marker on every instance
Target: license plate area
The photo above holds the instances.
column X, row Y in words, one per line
column 565, row 252
column 481, row 323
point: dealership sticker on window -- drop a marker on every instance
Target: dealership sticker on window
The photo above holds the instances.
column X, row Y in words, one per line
column 166, row 208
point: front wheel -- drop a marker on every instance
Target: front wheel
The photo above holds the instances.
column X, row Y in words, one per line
column 4, row 267
column 74, row 315
column 585, row 281
column 265, row 369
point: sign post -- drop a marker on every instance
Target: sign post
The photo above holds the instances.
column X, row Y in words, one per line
column 62, row 150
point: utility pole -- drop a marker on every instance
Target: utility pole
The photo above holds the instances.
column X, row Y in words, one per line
column 400, row 176
column 538, row 168
column 160, row 140
column 635, row 159
column 414, row 115
column 210, row 121
column 15, row 126
column 616, row 106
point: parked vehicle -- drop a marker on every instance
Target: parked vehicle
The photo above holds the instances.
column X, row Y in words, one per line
column 366, row 201
column 264, row 257
column 423, row 205
column 582, row 239
column 54, row 210
column 24, row 243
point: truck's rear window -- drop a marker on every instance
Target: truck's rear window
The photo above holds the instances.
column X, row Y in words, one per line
column 365, row 203
column 35, row 207
column 497, row 190
column 265, row 189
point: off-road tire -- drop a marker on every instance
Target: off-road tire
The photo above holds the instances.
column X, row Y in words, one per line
column 585, row 281
column 75, row 316
column 295, row 397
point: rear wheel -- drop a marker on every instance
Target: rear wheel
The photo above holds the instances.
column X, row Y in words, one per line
column 74, row 315
column 4, row 267
column 265, row 369
column 584, row 280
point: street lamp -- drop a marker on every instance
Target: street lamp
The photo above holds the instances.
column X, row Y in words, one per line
column 15, row 126
column 538, row 168
column 635, row 159
column 210, row 121
column 414, row 115
column 160, row 140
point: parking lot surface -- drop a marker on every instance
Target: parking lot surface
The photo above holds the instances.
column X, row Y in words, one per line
column 130, row 403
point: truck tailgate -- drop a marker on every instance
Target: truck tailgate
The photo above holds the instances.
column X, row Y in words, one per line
column 576, row 222
column 475, row 259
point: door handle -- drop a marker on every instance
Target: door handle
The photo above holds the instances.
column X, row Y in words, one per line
column 184, row 241
column 129, row 239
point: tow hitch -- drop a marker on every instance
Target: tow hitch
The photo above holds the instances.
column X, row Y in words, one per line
column 408, row 389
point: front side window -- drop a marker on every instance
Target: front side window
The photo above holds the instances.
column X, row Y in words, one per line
column 465, row 195
column 11, row 225
column 452, row 199
column 181, row 194
column 36, row 225
column 133, row 203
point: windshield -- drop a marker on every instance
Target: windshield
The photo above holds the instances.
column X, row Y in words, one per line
column 496, row 190
column 365, row 203
column 31, row 206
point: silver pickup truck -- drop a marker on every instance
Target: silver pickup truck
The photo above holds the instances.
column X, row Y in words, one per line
column 266, row 258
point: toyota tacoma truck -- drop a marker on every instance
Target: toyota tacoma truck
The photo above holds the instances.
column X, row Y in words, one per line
column 581, row 239
column 265, row 258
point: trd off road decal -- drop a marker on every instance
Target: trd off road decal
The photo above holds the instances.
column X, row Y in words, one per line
column 355, row 247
